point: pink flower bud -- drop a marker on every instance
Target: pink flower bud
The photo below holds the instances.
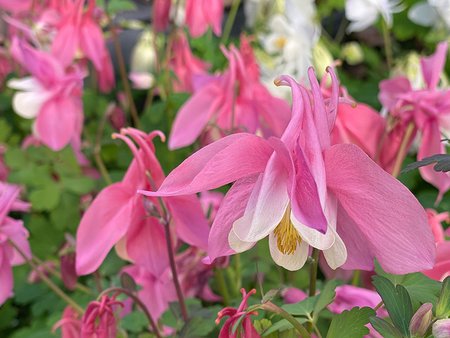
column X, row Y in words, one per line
column 421, row 320
column 441, row 328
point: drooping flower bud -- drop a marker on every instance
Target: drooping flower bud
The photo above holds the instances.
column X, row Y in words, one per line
column 421, row 320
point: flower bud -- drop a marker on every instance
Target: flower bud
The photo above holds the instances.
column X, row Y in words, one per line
column 421, row 320
column 352, row 53
column 322, row 58
column 441, row 328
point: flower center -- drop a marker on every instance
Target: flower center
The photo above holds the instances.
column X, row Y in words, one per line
column 280, row 42
column 287, row 236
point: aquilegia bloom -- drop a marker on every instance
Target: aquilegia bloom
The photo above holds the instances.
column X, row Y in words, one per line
column 51, row 96
column 99, row 320
column 235, row 99
column 427, row 108
column 119, row 216
column 11, row 230
column 202, row 14
column 301, row 192
column 365, row 13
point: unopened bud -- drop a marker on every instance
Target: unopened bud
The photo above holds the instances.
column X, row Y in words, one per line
column 441, row 328
column 352, row 53
column 421, row 320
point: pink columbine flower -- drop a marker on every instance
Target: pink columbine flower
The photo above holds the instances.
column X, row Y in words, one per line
column 119, row 216
column 234, row 100
column 349, row 296
column 428, row 108
column 158, row 291
column 161, row 14
column 302, row 192
column 70, row 324
column 293, row 295
column 11, row 230
column 202, row 14
column 185, row 65
column 442, row 267
column 99, row 320
column 245, row 329
column 78, row 30
column 51, row 96
column 435, row 221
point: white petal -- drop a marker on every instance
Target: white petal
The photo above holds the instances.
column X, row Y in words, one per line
column 28, row 104
column 27, row 83
column 423, row 14
column 266, row 205
column 337, row 254
column 291, row 262
column 236, row 244
column 313, row 237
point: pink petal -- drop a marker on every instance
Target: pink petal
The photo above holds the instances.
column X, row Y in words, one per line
column 65, row 44
column 190, row 222
column 103, row 225
column 433, row 66
column 146, row 243
column 431, row 144
column 17, row 233
column 6, row 278
column 92, row 43
column 390, row 90
column 383, row 218
column 194, row 115
column 56, row 122
column 232, row 208
column 219, row 163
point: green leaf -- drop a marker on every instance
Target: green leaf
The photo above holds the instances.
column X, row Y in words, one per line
column 326, row 296
column 351, row 324
column 420, row 288
column 15, row 158
column 443, row 304
column 45, row 198
column 281, row 326
column 303, row 308
column 78, row 185
column 115, row 6
column 134, row 322
column 396, row 301
column 269, row 295
column 387, row 330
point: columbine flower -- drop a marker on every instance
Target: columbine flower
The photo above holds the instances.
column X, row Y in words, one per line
column 431, row 13
column 245, row 328
column 119, row 216
column 442, row 267
column 427, row 108
column 70, row 324
column 99, row 320
column 349, row 296
column 301, row 192
column 51, row 96
column 292, row 36
column 161, row 14
column 364, row 13
column 202, row 14
column 11, row 230
column 234, row 100
column 78, row 30
column 441, row 328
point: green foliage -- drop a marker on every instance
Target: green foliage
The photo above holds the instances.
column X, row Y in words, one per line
column 350, row 324
column 443, row 304
column 396, row 301
column 386, row 329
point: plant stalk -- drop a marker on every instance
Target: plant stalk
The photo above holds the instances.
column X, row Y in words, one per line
column 271, row 307
column 402, row 150
column 230, row 21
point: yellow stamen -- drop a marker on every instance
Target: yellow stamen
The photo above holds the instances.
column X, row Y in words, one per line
column 287, row 236
column 280, row 42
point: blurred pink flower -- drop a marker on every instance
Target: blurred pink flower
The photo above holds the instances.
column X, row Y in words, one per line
column 78, row 29
column 435, row 221
column 70, row 324
column 442, row 267
column 15, row 6
column 43, row 268
column 160, row 14
column 51, row 96
column 99, row 319
column 211, row 201
column 293, row 295
column 301, row 192
column 245, row 328
column 11, row 230
column 185, row 65
column 428, row 108
column 202, row 14
column 349, row 296
column 119, row 216
column 234, row 100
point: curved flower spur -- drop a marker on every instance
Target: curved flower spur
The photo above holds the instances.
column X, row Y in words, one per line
column 301, row 191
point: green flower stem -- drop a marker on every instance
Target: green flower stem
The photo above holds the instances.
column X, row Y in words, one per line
column 97, row 151
column 313, row 272
column 138, row 303
column 222, row 285
column 60, row 293
column 271, row 307
column 387, row 44
column 230, row 21
column 237, row 267
column 356, row 277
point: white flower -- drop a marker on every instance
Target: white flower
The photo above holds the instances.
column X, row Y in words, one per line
column 291, row 38
column 30, row 98
column 364, row 13
column 432, row 13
